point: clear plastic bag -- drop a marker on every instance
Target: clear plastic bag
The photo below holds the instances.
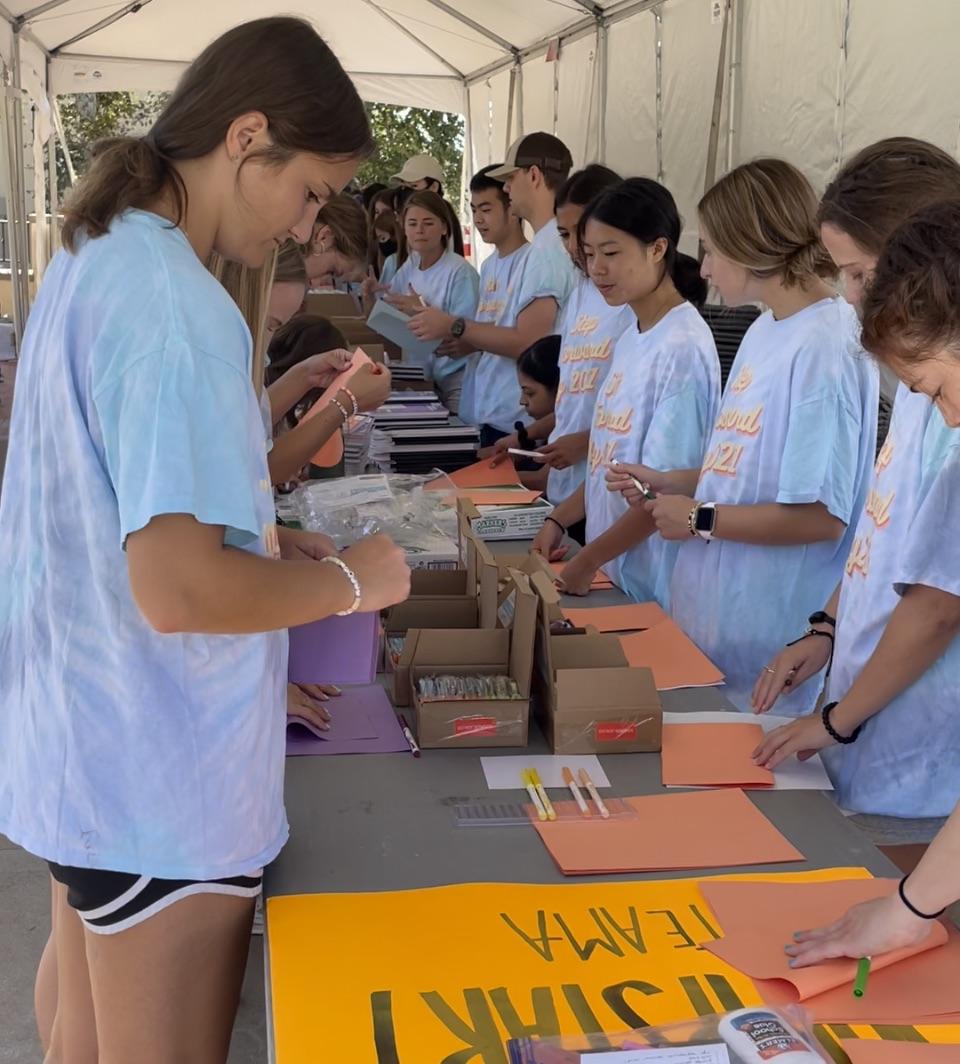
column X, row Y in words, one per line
column 758, row 1035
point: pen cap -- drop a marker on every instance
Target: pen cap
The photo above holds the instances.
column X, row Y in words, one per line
column 759, row 1036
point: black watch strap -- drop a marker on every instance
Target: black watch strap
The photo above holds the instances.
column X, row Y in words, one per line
column 844, row 740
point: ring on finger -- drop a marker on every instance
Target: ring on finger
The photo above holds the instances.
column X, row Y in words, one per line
column 767, row 668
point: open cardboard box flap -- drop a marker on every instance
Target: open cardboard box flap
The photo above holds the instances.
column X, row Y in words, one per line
column 332, row 304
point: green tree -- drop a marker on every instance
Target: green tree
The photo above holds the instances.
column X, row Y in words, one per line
column 398, row 131
column 89, row 117
column 404, row 131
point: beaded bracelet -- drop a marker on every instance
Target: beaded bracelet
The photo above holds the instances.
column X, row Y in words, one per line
column 353, row 399
column 343, row 410
column 354, row 582
column 844, row 740
column 912, row 907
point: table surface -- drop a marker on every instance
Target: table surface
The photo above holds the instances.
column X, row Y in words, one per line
column 387, row 822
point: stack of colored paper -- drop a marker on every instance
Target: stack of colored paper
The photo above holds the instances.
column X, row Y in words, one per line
column 362, row 722
column 872, row 1051
column 697, row 829
column 630, row 617
column 712, row 755
column 758, row 919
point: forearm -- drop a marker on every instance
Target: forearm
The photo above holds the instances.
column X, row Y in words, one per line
column 935, row 882
column 921, row 628
column 626, row 532
column 223, row 591
column 680, row 482
column 506, row 341
column 542, row 427
column 572, row 509
column 291, row 451
column 285, row 393
column 777, row 524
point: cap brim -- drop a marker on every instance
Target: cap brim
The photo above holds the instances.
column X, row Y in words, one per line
column 502, row 172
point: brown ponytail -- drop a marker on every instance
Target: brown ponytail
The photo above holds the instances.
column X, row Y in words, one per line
column 279, row 67
column 763, row 216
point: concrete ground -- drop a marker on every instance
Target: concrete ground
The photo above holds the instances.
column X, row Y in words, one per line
column 24, row 926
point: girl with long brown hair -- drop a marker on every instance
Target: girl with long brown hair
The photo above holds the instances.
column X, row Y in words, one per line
column 890, row 725
column 146, row 587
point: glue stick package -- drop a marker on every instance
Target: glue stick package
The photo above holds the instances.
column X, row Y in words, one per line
column 759, row 1035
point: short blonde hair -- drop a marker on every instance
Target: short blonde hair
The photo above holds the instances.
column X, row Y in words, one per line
column 763, row 216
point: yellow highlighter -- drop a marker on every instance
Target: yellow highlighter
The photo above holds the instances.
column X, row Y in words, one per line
column 547, row 804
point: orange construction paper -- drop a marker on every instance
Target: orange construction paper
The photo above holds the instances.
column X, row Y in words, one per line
column 696, row 829
column 332, row 451
column 712, row 755
column 495, row 497
column 481, row 475
column 673, row 657
column 863, row 1051
column 758, row 919
column 601, row 582
column 627, row 618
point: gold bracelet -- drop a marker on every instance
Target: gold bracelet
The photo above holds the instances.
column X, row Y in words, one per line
column 692, row 519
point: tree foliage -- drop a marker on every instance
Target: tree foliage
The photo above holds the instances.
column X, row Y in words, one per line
column 89, row 117
column 398, row 131
column 404, row 131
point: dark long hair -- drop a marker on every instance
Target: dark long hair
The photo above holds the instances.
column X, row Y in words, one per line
column 279, row 67
column 581, row 187
column 302, row 336
column 884, row 183
column 541, row 362
column 645, row 210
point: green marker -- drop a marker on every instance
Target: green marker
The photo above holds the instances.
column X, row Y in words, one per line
column 860, row 983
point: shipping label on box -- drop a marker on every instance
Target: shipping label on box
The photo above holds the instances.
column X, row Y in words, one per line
column 523, row 521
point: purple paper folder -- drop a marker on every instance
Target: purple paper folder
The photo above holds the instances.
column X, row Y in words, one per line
column 362, row 722
column 336, row 650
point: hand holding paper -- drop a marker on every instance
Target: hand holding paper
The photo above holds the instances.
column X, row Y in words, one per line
column 332, row 451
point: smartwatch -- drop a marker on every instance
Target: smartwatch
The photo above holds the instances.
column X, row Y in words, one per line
column 458, row 328
column 705, row 520
column 821, row 617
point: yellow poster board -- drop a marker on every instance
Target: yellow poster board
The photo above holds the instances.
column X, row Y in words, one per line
column 446, row 975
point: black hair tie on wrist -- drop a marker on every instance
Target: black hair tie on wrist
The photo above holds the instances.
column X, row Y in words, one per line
column 554, row 521
column 912, row 907
column 844, row 740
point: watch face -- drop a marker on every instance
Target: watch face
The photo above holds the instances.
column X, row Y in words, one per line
column 457, row 328
column 705, row 519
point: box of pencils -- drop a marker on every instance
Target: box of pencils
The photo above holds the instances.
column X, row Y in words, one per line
column 471, row 688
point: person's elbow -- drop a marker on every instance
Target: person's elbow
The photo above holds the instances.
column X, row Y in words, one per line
column 941, row 610
column 169, row 563
column 832, row 528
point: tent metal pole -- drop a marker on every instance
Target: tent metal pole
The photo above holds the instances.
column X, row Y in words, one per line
column 128, row 9
column 578, row 30
column 519, row 101
column 594, row 9
column 658, row 45
column 511, row 97
column 6, row 15
column 840, row 115
column 464, row 20
column 713, row 142
column 16, row 203
column 53, row 234
column 62, row 137
column 397, row 25
column 36, row 12
column 603, row 58
column 734, row 103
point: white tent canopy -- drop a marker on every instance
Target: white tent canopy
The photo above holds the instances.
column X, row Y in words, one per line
column 639, row 84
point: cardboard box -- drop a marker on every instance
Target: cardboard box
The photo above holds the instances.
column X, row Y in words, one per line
column 432, row 551
column 442, row 599
column 589, row 700
column 356, row 331
column 478, row 652
column 328, row 303
column 522, row 521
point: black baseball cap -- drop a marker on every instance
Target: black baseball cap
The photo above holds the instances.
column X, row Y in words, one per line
column 535, row 149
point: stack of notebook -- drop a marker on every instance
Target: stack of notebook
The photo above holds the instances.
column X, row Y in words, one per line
column 422, row 435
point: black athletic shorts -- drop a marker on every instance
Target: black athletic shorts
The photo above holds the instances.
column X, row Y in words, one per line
column 108, row 902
